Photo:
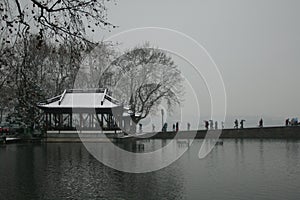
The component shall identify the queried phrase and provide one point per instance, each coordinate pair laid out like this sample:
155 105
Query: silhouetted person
236 124
141 127
173 127
206 124
216 125
287 122
294 122
165 127
223 125
153 128
211 122
177 126
261 123
242 123
188 126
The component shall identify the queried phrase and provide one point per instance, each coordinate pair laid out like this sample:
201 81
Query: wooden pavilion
89 110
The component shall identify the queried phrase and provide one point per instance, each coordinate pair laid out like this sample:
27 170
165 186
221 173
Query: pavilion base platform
81 136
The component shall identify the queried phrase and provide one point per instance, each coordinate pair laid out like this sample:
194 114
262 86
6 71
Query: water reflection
238 169
59 171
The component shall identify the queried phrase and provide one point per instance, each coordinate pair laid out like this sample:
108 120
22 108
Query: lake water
238 169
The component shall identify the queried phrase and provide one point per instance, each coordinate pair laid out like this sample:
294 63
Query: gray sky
255 45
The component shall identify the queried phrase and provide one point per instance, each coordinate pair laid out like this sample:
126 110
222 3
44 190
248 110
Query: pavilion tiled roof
81 98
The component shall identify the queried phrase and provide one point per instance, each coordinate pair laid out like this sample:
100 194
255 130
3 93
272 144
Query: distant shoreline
278 132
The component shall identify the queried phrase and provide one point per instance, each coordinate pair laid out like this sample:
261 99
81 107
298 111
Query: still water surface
238 169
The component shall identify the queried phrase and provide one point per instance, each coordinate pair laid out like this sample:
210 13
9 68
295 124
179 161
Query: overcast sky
255 44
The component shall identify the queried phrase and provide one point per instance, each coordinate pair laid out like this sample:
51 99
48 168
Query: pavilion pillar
47 121
54 120
109 123
80 120
90 120
50 125
60 121
71 120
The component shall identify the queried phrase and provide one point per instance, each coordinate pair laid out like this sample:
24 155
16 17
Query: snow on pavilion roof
88 98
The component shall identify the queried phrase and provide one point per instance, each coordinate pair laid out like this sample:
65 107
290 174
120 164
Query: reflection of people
188 126
236 124
242 123
261 123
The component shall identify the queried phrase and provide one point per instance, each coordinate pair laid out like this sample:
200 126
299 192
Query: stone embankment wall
291 132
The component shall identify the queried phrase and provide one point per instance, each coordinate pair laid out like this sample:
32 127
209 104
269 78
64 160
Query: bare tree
54 20
64 63
60 19
5 61
96 71
29 67
146 77
40 70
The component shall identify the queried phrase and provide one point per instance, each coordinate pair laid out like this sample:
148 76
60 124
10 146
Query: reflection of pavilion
86 110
